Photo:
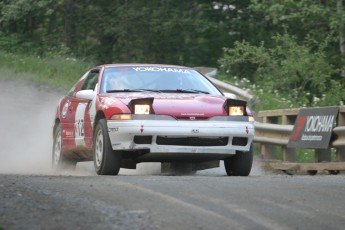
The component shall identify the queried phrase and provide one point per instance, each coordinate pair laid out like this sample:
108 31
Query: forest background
290 53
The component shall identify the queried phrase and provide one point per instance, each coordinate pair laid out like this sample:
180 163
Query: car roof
140 64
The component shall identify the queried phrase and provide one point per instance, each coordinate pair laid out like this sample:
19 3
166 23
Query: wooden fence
273 133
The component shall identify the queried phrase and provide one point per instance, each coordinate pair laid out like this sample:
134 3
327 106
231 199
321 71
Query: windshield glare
153 78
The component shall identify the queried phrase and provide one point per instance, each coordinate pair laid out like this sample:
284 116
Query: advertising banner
313 128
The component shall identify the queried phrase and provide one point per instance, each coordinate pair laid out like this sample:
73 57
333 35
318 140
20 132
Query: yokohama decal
160 69
313 128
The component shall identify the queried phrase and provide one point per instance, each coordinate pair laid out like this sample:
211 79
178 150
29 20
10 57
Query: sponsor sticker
313 128
110 130
160 69
106 102
65 109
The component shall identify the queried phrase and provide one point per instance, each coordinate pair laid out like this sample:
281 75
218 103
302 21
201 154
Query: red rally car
119 115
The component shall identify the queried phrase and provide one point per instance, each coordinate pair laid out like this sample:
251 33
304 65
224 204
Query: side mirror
87 94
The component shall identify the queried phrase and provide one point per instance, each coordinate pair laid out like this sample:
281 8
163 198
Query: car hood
179 105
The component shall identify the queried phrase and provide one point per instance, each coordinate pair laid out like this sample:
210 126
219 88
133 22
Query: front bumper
175 136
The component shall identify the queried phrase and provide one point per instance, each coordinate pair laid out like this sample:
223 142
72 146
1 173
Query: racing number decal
79 128
79 124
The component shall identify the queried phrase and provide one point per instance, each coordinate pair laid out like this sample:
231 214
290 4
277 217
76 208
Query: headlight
141 109
236 110
235 107
141 106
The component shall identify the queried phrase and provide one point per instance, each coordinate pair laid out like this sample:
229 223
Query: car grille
192 141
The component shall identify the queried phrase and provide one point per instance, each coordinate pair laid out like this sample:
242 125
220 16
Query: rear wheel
106 160
59 161
240 164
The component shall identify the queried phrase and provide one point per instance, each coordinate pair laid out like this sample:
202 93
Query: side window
70 93
90 81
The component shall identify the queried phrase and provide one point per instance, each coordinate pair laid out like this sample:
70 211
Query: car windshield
155 79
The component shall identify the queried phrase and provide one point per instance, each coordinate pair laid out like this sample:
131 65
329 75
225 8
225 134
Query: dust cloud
26 119
26 122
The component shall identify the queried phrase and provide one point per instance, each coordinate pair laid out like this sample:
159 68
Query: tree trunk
69 9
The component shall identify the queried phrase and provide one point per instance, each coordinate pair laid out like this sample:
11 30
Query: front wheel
240 164
106 160
59 161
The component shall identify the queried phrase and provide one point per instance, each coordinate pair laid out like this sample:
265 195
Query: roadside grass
56 72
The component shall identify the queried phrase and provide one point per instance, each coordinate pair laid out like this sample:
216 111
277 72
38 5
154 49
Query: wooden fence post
340 152
289 154
269 151
322 155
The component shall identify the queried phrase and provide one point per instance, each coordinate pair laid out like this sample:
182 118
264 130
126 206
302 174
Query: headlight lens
141 109
236 110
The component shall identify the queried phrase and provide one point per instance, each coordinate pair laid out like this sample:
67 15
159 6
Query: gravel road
171 202
32 196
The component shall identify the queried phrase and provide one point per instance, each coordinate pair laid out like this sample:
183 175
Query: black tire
106 160
240 164
59 161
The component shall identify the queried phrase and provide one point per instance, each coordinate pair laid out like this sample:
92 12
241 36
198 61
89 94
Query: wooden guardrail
273 133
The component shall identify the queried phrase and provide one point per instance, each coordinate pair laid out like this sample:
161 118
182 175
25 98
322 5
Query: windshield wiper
132 90
185 91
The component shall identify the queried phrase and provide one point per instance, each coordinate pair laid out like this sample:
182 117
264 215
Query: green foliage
286 48
163 31
293 71
305 155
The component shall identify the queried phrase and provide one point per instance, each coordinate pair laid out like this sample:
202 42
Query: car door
67 116
82 121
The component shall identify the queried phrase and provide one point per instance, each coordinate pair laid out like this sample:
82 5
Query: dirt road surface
32 196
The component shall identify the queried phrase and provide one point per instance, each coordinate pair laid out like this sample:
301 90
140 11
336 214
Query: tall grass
56 72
